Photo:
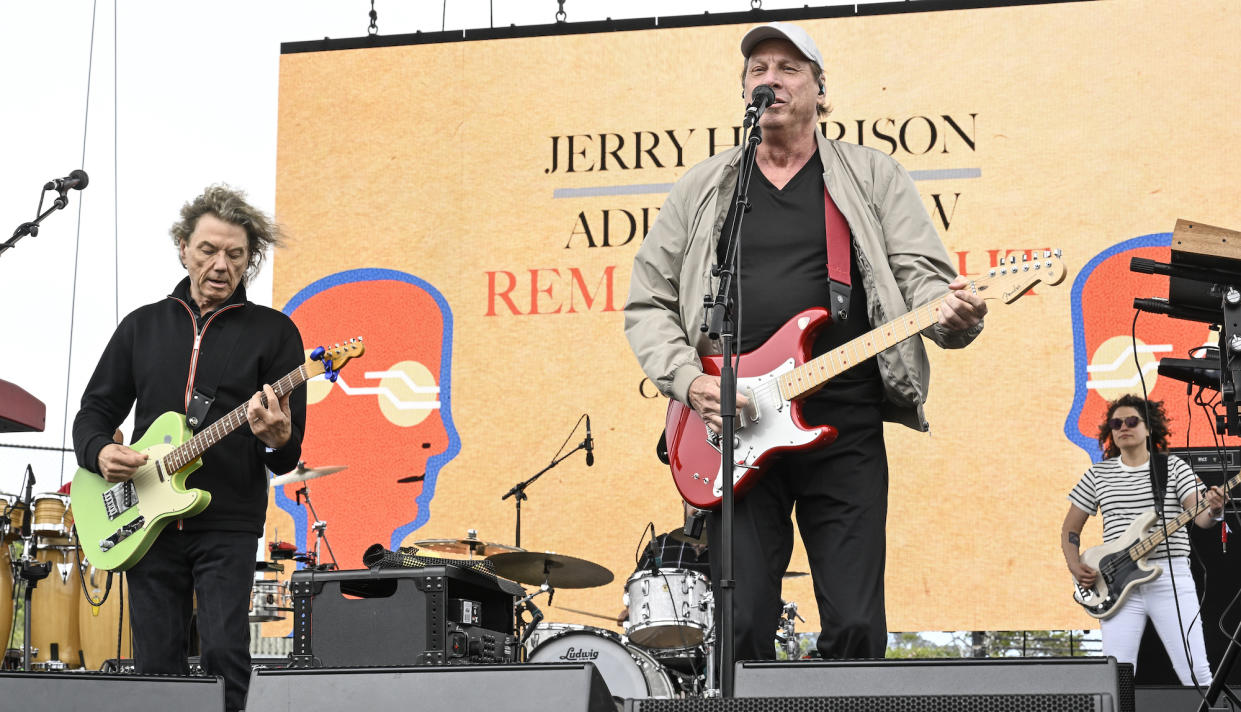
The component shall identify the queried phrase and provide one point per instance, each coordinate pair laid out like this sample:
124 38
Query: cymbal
303 473
796 574
468 546
559 570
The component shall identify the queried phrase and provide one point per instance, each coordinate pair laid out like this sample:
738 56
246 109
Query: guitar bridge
121 534
119 499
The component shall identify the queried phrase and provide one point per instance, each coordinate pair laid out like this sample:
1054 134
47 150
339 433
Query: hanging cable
444 16
560 16
116 212
77 244
373 29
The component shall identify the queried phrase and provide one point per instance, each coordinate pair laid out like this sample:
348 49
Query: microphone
761 98
590 445
76 180
29 498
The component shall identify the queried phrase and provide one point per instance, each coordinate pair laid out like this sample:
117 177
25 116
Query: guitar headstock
329 361
1014 277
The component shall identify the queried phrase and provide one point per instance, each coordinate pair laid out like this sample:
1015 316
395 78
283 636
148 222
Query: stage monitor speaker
907 703
98 692
1029 678
573 687
1161 698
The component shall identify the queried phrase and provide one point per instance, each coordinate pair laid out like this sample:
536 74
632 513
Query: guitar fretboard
191 449
1145 546
814 373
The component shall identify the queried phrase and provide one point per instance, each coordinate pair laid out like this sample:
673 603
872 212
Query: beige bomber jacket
902 260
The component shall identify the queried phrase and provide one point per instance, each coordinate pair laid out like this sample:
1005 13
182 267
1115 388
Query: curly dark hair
229 205
1152 412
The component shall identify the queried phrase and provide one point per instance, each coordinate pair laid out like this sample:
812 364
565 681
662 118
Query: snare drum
270 600
55 604
51 516
627 671
668 608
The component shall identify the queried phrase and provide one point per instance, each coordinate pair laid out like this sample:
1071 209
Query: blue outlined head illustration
387 418
1104 337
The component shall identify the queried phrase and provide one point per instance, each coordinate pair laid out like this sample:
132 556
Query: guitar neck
1145 546
191 449
811 375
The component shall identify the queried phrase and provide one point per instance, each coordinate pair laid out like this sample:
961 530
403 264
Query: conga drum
9 504
54 605
6 598
51 516
97 627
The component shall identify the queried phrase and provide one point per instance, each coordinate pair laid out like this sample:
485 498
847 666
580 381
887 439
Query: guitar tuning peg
1025 257
1012 259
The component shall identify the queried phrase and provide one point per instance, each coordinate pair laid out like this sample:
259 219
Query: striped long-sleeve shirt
1123 493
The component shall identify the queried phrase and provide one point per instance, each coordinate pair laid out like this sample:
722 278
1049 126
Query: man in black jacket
202 351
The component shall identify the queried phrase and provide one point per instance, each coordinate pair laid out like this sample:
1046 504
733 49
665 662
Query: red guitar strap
837 259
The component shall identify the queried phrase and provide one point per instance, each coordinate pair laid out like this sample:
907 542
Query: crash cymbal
468 546
559 570
303 473
796 574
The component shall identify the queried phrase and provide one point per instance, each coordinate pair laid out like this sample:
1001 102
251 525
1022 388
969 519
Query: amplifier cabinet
435 615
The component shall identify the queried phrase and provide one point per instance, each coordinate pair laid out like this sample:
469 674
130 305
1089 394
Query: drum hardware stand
518 491
536 615
788 630
320 528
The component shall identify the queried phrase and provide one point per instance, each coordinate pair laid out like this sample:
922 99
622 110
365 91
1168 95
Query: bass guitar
1122 564
117 522
775 375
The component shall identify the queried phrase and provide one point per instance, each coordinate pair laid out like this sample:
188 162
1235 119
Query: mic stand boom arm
518 491
32 228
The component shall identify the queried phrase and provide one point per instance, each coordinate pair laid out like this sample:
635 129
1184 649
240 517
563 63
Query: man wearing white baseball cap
805 190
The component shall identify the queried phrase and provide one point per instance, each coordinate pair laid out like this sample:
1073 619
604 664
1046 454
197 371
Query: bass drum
97 627
628 672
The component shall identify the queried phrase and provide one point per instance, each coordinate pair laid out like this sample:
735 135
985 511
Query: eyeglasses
1130 422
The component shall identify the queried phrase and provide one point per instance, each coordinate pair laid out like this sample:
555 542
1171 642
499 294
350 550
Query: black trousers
216 566
840 494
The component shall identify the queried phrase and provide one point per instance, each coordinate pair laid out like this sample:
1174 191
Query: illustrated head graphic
1104 366
387 418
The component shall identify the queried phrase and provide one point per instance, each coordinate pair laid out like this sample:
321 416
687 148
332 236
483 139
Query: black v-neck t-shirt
784 271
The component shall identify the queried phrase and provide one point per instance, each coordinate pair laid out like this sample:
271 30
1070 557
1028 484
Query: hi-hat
468 546
558 570
303 473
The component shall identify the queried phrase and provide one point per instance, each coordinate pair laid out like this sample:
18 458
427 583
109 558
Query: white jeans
1122 633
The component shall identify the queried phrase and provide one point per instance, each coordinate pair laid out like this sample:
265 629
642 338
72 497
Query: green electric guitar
117 522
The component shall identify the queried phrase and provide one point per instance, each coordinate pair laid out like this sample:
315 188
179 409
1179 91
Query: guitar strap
837 258
1159 480
224 334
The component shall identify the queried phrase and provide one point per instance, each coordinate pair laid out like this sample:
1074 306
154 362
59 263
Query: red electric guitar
776 374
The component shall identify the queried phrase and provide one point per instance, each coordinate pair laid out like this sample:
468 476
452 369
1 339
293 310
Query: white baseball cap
783 31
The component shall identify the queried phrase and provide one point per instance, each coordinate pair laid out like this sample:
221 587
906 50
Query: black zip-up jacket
150 364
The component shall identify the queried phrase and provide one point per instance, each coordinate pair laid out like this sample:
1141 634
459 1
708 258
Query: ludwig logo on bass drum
572 654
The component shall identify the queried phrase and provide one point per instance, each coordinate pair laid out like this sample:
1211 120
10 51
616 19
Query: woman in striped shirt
1120 487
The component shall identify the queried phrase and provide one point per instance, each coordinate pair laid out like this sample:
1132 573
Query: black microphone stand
32 228
28 569
720 323
518 491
